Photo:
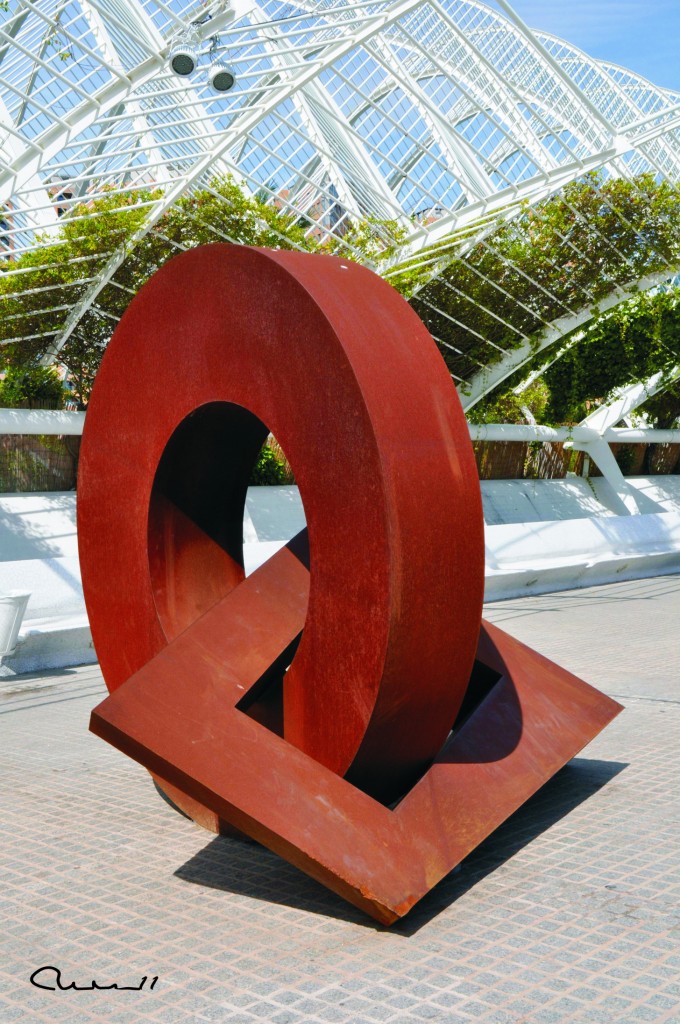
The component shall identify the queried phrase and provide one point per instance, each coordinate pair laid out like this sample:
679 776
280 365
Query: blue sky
643 35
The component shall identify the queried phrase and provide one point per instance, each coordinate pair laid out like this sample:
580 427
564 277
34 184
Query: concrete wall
536 501
541 535
534 558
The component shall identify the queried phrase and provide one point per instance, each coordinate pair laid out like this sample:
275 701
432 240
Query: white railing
595 443
577 435
581 437
41 421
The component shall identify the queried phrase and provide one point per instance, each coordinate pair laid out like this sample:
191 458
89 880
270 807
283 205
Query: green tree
40 288
32 387
595 235
630 344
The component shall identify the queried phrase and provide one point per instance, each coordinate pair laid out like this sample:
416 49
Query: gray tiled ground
569 913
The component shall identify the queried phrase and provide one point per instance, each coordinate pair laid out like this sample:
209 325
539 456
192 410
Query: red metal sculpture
341 704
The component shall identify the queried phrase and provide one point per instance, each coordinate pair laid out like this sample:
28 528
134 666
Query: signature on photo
52 975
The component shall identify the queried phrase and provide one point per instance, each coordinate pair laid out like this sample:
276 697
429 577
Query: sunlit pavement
568 913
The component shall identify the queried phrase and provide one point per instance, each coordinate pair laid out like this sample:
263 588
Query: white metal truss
622 402
602 422
443 116
569 326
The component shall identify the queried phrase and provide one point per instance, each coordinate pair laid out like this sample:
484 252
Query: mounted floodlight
184 54
220 76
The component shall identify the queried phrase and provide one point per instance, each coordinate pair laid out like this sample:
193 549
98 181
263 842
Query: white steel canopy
442 117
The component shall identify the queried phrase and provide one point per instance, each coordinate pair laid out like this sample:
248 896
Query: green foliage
633 342
83 247
269 469
505 406
574 249
378 241
629 344
663 409
595 235
224 211
40 288
36 386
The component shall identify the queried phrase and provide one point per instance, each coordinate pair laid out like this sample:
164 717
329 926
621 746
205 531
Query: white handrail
59 421
537 432
41 421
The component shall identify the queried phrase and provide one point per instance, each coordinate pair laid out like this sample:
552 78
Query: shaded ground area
568 913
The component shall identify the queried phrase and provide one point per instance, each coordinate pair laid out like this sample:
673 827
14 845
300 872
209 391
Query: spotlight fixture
188 49
220 76
184 54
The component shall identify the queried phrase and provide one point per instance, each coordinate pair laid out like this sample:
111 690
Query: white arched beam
34 155
489 379
623 401
461 157
580 113
486 82
230 139
344 159
106 45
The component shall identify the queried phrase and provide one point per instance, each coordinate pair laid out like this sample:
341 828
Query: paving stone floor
568 913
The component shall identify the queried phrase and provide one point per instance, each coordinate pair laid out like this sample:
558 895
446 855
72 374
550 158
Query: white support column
602 420
626 497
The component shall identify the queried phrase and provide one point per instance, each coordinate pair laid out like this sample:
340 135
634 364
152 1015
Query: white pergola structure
446 117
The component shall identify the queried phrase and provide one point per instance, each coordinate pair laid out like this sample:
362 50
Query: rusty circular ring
337 365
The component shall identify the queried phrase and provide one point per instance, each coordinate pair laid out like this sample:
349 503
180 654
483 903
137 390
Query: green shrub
268 470
32 386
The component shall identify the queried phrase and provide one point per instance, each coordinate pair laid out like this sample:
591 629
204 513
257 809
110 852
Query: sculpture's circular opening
196 527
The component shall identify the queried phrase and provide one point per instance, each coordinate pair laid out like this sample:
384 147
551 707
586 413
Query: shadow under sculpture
345 704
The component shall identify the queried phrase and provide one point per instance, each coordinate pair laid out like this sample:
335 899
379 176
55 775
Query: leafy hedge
270 469
31 387
632 343
565 253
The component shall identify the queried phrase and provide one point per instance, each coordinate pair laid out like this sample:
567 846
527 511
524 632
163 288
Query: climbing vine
630 344
490 294
572 250
40 288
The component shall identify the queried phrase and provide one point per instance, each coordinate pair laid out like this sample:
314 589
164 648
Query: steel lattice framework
442 116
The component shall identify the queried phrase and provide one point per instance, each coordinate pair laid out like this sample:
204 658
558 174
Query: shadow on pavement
247 869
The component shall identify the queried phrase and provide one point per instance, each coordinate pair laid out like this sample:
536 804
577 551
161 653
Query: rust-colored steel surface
341 705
